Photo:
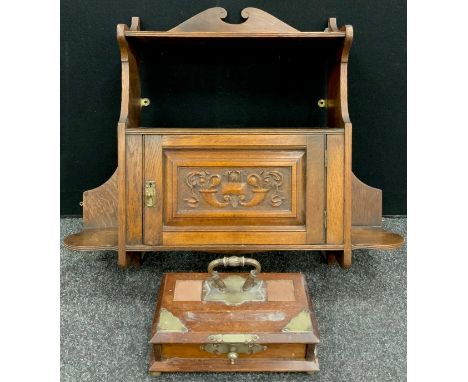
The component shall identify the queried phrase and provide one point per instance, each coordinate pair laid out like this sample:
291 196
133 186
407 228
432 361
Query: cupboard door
234 197
208 194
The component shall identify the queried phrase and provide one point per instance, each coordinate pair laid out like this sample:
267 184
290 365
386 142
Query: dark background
90 84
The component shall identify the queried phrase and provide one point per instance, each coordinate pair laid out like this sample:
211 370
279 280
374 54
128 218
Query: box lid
191 309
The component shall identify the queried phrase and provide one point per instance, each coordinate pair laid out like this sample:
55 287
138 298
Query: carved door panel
234 187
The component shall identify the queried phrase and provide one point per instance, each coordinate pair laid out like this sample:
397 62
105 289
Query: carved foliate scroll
235 188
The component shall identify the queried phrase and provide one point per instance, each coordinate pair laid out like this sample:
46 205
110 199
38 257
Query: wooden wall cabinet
233 189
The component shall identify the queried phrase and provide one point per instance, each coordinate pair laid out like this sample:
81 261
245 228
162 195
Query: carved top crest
256 21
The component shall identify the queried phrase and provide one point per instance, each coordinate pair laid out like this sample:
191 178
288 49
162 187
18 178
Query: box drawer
274 351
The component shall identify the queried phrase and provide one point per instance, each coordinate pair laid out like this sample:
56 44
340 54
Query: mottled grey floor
106 313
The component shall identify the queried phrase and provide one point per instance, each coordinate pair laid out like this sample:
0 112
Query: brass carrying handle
234 261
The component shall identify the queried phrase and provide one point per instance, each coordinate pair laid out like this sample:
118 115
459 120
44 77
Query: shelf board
185 35
233 131
103 239
375 238
106 239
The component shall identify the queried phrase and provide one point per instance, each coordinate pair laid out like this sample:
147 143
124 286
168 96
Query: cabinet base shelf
242 365
105 239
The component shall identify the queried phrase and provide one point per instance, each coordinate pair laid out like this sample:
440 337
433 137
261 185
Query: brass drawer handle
232 355
234 261
233 350
150 193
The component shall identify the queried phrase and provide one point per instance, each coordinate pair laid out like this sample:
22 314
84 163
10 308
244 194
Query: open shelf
184 35
375 238
235 83
234 131
106 239
101 239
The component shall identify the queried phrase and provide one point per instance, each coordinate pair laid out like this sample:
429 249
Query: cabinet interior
235 82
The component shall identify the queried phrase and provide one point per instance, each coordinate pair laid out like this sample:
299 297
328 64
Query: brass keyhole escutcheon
150 193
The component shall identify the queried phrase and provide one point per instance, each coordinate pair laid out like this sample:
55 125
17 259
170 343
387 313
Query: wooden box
234 322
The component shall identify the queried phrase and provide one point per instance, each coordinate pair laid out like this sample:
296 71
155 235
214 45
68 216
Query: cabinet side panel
134 172
367 204
100 205
315 198
152 222
335 189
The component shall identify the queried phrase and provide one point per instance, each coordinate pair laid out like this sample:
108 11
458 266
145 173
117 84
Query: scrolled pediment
212 20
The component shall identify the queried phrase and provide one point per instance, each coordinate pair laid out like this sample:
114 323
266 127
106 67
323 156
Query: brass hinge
233 338
325 219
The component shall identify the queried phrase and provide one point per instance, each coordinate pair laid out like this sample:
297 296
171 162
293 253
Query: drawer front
234 187
274 351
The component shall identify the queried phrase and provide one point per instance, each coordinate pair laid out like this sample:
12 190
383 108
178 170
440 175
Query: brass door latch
150 193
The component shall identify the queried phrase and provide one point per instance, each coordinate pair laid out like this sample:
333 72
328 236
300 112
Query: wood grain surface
153 171
106 239
285 351
335 189
100 205
134 187
367 204
315 189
